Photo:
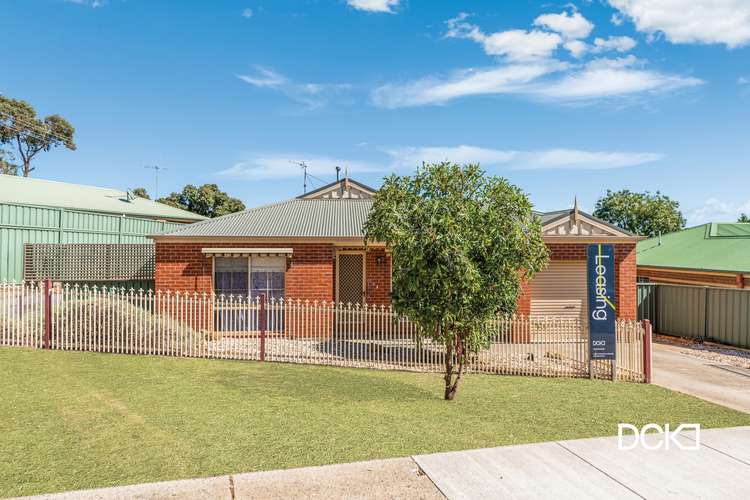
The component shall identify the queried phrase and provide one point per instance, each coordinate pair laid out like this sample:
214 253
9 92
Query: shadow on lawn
382 351
315 383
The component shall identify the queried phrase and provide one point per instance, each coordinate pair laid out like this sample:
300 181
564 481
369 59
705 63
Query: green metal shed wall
20 224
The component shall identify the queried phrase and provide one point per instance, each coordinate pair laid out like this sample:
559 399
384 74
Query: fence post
647 350
47 314
262 326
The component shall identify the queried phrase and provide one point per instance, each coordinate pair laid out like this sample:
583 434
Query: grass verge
81 420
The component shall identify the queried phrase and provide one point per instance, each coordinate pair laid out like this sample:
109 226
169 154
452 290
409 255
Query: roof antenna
338 173
303 165
575 208
156 169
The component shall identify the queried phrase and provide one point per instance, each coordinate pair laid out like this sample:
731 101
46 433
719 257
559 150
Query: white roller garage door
560 290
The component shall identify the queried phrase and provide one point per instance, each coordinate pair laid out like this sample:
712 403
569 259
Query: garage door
560 290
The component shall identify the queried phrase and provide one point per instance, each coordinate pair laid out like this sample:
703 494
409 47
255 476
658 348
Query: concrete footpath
580 469
596 468
725 385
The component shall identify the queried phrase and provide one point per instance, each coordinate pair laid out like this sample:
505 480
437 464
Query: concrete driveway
721 384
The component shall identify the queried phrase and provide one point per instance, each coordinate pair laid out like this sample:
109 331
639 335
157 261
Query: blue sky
564 99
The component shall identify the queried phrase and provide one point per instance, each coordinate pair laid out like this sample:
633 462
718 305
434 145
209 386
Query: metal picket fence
115 320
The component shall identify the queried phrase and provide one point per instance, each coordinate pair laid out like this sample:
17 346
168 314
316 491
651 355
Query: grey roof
301 218
305 218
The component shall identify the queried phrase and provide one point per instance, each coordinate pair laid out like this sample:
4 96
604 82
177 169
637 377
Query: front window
230 276
244 277
266 276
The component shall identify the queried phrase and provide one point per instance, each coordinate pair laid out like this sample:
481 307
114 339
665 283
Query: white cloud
515 45
571 26
606 78
743 80
697 21
386 6
90 3
312 95
577 48
618 43
616 19
283 166
439 90
714 210
597 79
247 13
521 160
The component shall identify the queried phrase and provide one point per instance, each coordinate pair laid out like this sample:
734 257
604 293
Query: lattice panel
350 278
89 262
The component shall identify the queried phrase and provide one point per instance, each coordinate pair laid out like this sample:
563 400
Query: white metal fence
207 326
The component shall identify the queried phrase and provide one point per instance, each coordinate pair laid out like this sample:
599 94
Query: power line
15 128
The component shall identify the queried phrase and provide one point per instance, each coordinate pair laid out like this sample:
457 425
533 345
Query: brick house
311 248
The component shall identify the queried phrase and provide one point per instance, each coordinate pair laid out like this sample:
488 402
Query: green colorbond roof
709 247
42 192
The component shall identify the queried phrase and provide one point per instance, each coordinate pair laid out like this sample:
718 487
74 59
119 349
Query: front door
350 278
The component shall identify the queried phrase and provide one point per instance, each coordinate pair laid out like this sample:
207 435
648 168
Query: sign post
602 313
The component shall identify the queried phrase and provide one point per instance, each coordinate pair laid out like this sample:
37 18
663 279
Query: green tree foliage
7 166
645 213
461 243
206 200
743 217
141 192
28 135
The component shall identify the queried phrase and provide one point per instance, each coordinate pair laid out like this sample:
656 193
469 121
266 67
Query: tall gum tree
461 245
28 135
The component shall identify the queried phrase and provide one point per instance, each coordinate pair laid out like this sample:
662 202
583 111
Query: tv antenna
156 169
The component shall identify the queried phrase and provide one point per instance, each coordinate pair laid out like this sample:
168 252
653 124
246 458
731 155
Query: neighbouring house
43 223
311 248
715 254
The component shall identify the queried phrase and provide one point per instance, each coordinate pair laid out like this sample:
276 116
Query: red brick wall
309 275
378 277
625 269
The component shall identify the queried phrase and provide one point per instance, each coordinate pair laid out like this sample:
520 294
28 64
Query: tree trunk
26 167
448 371
451 384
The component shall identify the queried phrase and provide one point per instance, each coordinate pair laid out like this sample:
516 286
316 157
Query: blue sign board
602 313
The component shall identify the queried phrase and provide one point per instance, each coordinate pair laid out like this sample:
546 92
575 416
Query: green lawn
82 420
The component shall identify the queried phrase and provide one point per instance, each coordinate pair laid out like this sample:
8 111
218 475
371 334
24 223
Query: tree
645 214
29 135
140 192
7 166
206 200
461 245
743 217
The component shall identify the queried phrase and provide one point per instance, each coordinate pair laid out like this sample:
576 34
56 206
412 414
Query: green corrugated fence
21 224
704 313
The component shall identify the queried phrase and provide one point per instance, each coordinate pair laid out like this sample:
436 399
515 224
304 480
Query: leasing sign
602 313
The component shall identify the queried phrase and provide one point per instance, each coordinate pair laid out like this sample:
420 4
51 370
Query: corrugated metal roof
46 193
296 218
300 218
709 247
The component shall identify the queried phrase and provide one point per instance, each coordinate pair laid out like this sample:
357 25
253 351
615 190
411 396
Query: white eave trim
244 252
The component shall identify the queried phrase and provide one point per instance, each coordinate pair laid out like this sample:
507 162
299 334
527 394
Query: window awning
246 252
